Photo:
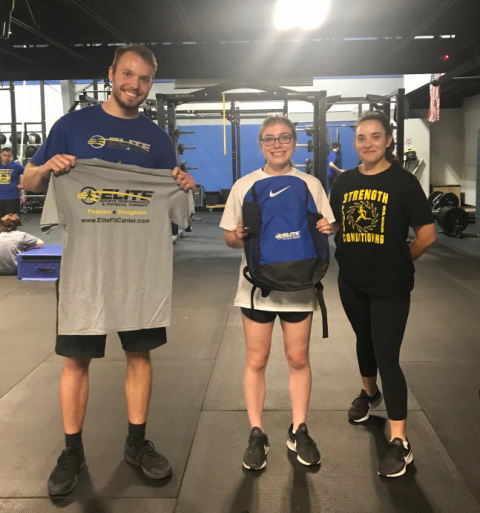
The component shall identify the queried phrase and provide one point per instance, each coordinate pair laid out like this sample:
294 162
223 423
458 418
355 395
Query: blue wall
215 169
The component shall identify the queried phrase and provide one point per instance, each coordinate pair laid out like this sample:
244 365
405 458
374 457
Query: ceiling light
303 14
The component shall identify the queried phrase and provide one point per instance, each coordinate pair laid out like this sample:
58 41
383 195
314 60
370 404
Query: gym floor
197 413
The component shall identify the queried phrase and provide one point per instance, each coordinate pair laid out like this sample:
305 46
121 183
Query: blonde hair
272 119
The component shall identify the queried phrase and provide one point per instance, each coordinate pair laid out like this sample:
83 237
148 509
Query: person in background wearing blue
13 242
334 165
113 131
10 183
375 205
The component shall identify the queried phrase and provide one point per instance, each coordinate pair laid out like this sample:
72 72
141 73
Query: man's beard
127 106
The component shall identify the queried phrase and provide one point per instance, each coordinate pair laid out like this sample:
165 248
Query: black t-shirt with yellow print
374 213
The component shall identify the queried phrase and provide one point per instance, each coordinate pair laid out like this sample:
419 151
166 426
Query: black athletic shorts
263 316
93 346
9 206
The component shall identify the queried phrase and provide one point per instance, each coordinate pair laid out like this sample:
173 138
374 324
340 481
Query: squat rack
13 113
167 103
167 117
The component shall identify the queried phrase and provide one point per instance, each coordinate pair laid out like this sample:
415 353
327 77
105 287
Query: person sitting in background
13 242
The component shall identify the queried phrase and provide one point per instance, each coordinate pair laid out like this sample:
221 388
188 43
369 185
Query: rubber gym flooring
197 413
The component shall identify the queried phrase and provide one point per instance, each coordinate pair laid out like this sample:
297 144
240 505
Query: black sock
136 432
74 441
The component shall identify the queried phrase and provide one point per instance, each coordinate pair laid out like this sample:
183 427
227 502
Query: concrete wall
447 149
417 132
471 110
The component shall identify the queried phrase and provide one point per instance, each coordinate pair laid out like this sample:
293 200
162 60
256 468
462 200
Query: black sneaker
255 456
361 406
63 479
395 462
301 443
143 454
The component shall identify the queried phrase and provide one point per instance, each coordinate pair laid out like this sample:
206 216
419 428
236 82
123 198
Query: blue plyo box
42 264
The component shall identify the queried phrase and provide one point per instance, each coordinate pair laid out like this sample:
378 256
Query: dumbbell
307 129
181 148
308 166
30 151
179 132
453 220
309 146
184 167
439 199
19 138
34 138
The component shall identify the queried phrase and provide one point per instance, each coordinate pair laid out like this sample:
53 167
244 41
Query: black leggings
379 324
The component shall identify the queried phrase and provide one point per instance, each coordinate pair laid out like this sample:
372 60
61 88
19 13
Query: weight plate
453 219
448 199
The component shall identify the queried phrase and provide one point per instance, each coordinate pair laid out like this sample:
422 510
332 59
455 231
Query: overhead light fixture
302 14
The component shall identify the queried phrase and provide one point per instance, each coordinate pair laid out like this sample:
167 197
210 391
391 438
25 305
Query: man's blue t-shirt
336 158
9 179
92 133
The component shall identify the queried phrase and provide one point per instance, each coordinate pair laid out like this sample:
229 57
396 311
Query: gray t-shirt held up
116 271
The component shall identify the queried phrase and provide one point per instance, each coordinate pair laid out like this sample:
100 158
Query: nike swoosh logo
273 194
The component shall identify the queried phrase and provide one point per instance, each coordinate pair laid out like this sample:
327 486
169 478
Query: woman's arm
424 238
234 238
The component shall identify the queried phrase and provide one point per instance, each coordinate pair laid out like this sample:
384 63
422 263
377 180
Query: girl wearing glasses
375 204
277 140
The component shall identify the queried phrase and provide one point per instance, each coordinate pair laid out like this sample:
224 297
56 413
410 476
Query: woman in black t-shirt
375 204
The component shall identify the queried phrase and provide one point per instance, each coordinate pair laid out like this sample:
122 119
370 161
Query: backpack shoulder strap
323 308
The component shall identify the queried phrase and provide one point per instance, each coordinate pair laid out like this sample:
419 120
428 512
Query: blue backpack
283 248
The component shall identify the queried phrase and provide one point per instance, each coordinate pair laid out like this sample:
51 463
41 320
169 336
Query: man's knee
77 365
138 358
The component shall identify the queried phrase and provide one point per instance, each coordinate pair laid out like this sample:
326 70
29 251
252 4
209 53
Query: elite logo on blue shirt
98 142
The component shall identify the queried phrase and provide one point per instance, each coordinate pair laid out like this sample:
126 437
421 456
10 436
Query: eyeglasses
270 140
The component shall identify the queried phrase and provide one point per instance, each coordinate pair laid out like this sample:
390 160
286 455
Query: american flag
434 108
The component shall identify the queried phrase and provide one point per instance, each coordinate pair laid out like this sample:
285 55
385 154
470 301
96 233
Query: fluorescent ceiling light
303 14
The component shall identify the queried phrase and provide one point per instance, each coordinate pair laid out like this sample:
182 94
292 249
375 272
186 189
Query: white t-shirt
276 301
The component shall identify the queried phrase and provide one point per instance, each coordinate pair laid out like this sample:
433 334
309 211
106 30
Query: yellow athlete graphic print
363 213
362 216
